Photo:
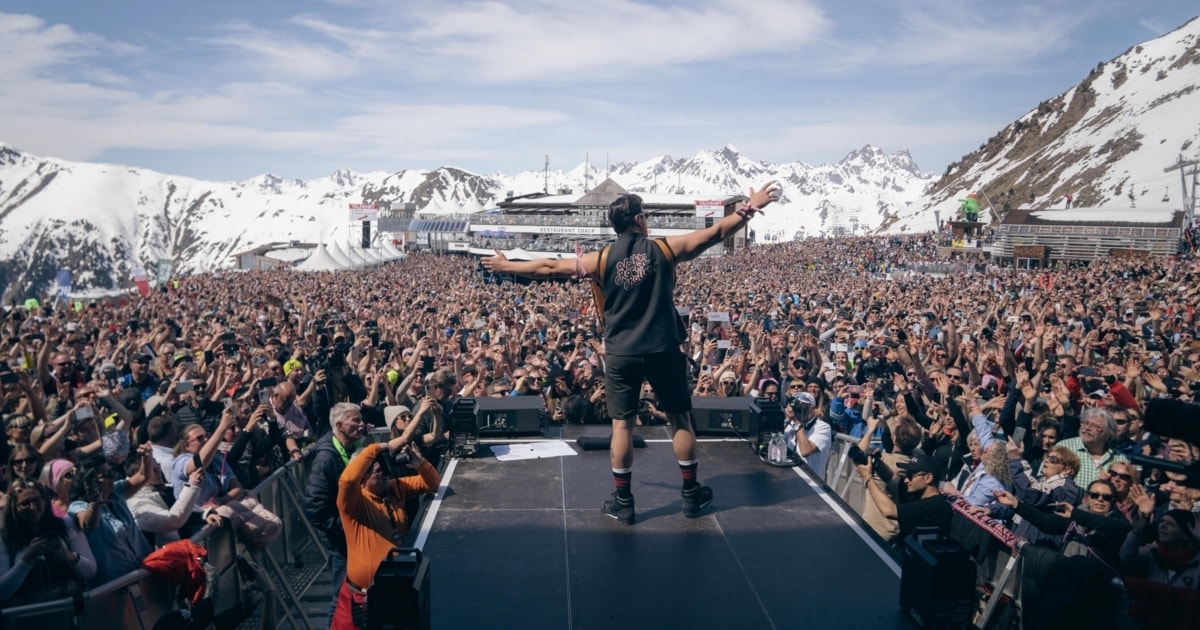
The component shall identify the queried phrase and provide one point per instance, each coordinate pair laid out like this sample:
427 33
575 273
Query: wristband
747 211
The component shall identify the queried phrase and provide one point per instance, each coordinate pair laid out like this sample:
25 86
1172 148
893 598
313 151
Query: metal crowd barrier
995 548
292 562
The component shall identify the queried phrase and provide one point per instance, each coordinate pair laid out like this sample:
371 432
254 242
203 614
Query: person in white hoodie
153 516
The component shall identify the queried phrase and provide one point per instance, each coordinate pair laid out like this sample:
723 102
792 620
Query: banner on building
364 212
710 208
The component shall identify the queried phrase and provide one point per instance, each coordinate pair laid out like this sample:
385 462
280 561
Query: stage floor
522 544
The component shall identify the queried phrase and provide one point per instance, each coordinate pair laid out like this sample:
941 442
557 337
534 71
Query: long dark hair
25 450
18 535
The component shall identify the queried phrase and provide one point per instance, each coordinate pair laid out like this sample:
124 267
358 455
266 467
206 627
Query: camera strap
387 504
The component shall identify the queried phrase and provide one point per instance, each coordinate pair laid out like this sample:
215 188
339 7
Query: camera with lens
872 458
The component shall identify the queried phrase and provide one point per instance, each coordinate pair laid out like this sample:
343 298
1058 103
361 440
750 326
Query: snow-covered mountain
1105 141
99 219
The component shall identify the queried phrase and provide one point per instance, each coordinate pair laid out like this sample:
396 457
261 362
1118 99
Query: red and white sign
364 212
710 208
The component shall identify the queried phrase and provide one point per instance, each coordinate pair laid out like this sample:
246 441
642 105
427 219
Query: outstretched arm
690 245
543 268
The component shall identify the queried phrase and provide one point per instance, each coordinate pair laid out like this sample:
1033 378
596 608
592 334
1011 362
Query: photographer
371 504
99 508
807 435
928 507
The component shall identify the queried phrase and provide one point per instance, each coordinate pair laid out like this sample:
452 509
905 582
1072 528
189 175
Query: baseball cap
803 398
391 412
920 462
728 376
393 377
290 365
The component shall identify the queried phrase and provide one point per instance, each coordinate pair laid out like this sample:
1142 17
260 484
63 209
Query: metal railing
1000 566
292 561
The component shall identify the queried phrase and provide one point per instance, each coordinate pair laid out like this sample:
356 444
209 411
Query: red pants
351 606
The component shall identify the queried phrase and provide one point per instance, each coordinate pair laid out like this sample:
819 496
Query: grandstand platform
519 544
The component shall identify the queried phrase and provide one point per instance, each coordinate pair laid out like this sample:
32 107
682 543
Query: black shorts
667 373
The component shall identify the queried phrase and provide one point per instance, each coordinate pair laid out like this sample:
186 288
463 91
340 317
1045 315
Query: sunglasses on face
1100 496
1052 459
21 425
956 377
24 461
1116 475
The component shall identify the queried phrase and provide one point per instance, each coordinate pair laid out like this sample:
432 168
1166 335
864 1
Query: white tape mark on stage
431 513
816 486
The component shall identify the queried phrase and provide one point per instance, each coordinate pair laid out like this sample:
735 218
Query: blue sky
229 90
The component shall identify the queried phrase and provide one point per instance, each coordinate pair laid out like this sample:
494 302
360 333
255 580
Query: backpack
598 281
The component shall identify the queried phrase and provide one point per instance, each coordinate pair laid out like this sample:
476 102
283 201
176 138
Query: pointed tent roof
338 254
433 207
320 260
390 252
602 195
472 206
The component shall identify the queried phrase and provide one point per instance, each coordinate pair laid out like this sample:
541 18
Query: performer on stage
636 281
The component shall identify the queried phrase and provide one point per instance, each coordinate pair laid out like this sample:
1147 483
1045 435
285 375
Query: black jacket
321 493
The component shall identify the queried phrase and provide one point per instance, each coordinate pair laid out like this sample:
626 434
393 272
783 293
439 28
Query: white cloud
280 57
987 40
28 46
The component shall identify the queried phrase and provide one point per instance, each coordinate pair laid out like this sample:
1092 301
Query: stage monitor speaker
937 580
366 235
399 596
464 428
722 416
510 416
766 419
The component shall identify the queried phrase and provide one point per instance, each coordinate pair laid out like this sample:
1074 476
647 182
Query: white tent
320 260
432 208
472 206
338 254
390 252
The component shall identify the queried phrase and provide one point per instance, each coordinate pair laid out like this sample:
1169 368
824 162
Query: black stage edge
523 545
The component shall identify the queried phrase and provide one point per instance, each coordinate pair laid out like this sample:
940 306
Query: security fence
275 578
996 549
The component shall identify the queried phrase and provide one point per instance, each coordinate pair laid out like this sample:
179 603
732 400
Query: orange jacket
365 517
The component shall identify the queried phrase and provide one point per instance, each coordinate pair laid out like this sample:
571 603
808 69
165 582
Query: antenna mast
546 175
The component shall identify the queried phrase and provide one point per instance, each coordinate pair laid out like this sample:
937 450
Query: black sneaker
619 509
695 500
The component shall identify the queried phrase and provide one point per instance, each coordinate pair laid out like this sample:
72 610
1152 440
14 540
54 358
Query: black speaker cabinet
510 416
722 416
399 597
937 583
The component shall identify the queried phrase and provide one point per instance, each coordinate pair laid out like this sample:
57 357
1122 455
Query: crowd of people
130 423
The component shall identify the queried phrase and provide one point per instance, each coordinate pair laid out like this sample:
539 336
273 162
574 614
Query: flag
164 272
140 279
63 281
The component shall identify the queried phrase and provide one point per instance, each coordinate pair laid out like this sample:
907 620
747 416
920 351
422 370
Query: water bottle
777 450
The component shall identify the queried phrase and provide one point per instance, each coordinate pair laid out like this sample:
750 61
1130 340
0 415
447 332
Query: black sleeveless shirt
639 303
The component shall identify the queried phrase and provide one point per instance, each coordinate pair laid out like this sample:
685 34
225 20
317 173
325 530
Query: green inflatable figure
970 208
